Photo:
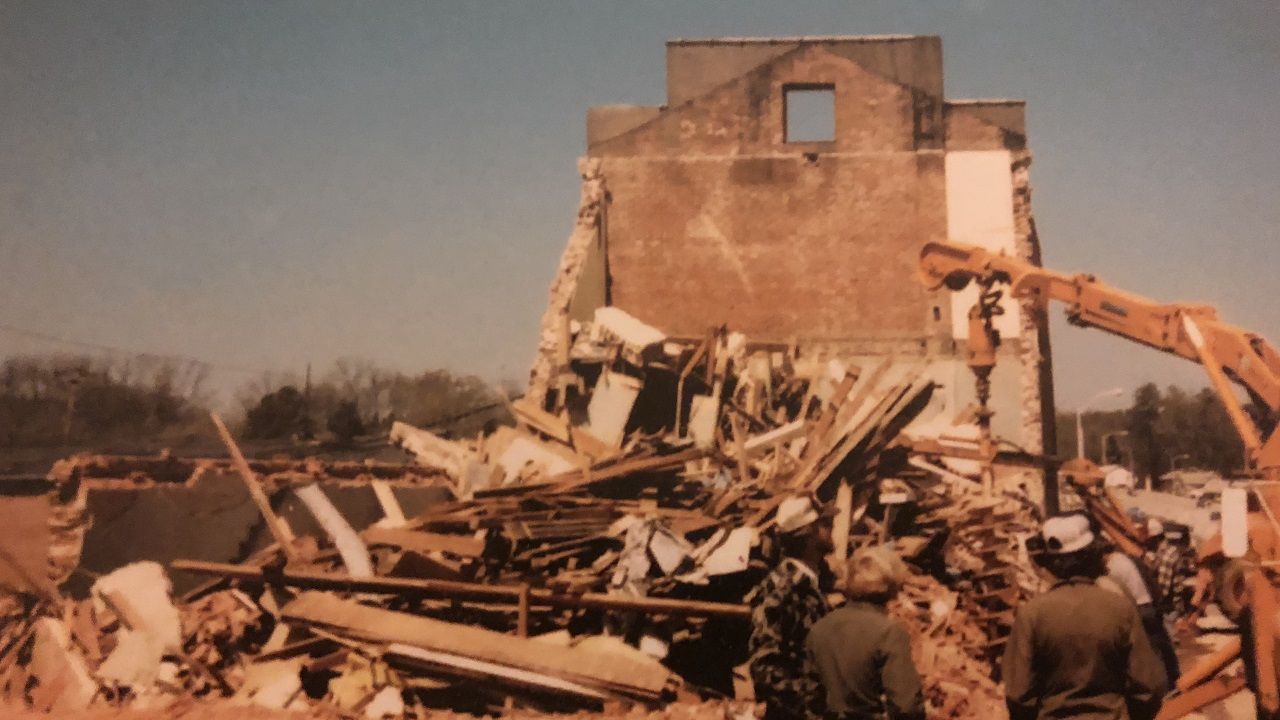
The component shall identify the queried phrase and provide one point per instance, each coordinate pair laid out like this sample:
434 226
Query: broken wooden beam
454 589
282 536
425 542
607 672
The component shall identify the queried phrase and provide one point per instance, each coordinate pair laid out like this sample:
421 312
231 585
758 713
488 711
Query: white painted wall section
980 212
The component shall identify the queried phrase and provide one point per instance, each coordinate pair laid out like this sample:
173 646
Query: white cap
1154 527
796 512
1067 534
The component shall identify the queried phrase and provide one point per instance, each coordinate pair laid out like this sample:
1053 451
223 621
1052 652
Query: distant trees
49 400
345 422
279 414
357 396
1160 431
137 404
1148 452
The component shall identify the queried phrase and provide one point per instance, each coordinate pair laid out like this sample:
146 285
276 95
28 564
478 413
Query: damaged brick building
728 205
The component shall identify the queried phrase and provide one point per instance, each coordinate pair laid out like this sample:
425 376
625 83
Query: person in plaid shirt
1171 563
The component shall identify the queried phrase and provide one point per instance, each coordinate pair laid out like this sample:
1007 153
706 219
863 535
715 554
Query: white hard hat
1067 534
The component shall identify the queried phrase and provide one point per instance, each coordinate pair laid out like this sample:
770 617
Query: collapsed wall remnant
717 213
99 512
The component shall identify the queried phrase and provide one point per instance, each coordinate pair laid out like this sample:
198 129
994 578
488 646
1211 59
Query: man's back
1079 651
862 654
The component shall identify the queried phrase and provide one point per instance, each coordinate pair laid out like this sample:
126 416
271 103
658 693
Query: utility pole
73 378
308 432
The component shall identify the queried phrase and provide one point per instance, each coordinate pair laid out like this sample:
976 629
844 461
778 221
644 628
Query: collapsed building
735 320
711 210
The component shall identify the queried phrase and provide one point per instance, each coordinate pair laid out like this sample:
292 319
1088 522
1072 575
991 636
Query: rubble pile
596 554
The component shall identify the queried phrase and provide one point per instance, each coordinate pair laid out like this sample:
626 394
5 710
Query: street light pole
1113 392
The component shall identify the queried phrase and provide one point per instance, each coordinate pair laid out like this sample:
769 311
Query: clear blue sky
260 184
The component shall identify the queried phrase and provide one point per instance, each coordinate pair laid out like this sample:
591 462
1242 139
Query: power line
46 337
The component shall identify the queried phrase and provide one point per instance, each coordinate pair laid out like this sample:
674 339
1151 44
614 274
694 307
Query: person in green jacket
863 657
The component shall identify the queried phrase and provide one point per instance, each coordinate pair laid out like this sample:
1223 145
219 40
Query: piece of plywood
610 406
386 626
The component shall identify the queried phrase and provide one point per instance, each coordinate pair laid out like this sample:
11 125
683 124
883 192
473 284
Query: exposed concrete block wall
714 218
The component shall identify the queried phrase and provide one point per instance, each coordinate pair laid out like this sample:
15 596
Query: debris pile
597 553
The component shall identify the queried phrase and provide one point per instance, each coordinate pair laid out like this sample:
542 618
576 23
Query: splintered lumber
463 590
450 664
552 426
425 542
579 479
605 672
282 536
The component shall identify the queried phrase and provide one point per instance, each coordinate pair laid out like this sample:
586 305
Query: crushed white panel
429 449
393 515
355 556
56 663
667 549
523 452
733 554
1235 522
610 407
617 324
704 412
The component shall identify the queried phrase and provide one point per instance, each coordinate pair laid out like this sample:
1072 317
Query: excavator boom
1227 354
1191 331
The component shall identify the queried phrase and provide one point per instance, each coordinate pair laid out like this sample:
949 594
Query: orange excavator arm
1227 353
1191 331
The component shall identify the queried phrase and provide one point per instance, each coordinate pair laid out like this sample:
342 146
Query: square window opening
809 113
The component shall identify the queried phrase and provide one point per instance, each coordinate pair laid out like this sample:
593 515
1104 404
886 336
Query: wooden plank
827 415
463 591
1181 705
840 526
758 444
425 542
872 424
275 525
391 509
576 665
552 426
1211 664
739 451
460 666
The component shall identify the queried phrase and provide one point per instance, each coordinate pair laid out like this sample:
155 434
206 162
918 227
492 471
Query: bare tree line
60 399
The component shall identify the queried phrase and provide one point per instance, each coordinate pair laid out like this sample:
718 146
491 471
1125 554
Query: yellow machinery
1227 353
